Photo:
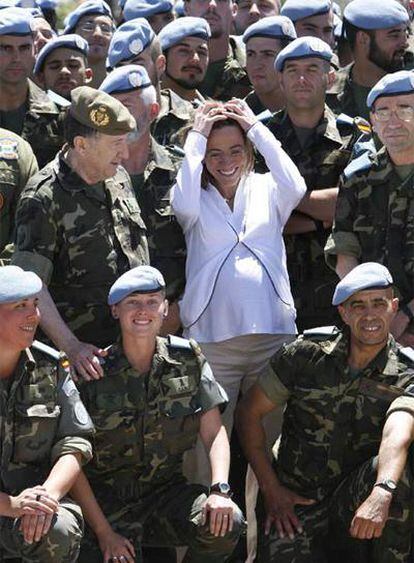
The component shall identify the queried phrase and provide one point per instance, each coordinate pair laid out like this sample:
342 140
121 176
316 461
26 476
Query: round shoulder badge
81 413
99 116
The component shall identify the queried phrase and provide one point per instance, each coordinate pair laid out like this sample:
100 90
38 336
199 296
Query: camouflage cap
369 275
100 111
16 284
142 279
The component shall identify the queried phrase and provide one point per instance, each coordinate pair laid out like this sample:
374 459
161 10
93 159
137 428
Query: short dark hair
155 49
350 32
73 128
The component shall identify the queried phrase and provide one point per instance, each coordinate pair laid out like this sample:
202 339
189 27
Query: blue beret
16 284
175 31
179 8
401 82
145 8
142 279
46 4
70 41
84 9
365 276
15 21
279 27
9 4
371 14
302 48
129 40
300 9
125 78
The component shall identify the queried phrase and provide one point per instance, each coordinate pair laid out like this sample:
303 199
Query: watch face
224 488
390 484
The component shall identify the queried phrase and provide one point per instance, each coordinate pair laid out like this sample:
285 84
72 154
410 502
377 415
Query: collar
325 128
158 158
39 102
172 103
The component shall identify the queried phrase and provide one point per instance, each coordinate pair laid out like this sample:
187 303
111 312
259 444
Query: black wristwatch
387 484
222 489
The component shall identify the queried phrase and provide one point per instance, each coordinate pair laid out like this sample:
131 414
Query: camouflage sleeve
343 240
404 402
278 379
210 393
35 238
28 164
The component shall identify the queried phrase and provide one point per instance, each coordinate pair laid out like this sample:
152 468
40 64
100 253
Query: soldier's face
64 70
102 154
97 30
158 21
305 81
140 107
16 58
219 14
369 315
251 11
396 134
321 26
260 57
19 321
187 62
43 33
141 314
154 68
387 48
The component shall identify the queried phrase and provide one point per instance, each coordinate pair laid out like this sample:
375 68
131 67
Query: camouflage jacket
145 422
175 113
334 419
79 239
17 165
41 419
226 78
374 219
43 125
166 241
254 103
321 163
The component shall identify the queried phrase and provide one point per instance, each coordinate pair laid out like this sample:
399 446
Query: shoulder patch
9 149
178 342
321 332
407 353
363 125
47 350
359 164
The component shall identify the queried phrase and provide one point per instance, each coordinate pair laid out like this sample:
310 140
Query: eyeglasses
88 27
404 113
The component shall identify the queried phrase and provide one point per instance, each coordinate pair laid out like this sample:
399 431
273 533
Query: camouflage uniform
166 241
374 219
17 165
342 98
41 419
331 434
79 239
321 163
42 126
144 424
254 103
175 113
226 78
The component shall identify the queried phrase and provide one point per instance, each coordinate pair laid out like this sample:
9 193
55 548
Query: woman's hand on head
206 115
239 111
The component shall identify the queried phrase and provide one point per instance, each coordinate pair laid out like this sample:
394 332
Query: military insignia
363 125
136 46
135 79
81 413
69 388
8 149
99 116
79 42
288 28
317 45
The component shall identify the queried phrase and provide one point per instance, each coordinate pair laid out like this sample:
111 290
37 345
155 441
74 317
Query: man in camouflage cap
374 217
157 396
24 108
45 432
78 226
340 488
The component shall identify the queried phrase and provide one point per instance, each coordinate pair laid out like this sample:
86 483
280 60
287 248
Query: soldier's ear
88 75
114 312
160 63
165 313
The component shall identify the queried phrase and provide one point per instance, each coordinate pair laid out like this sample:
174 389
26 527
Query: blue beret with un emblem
369 275
129 40
142 279
145 8
17 284
177 30
9 4
70 41
85 9
372 14
279 27
299 9
125 79
302 48
15 21
397 83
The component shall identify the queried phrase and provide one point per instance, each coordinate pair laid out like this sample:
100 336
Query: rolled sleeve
403 403
340 242
273 387
33 262
72 445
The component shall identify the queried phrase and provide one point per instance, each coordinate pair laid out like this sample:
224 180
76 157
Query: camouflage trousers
60 545
165 517
326 538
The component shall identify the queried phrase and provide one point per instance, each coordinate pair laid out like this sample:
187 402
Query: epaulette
48 350
264 116
57 99
407 352
359 164
178 343
361 124
176 150
321 332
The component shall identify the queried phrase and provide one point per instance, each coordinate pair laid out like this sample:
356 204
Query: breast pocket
180 417
35 430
